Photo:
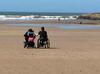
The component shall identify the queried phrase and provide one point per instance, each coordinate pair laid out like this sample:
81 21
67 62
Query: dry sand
71 52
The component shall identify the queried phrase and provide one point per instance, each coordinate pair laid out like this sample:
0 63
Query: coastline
49 18
91 22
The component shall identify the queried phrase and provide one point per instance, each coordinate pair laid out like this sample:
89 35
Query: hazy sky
50 5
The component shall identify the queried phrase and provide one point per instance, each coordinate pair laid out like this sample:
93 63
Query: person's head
42 28
30 30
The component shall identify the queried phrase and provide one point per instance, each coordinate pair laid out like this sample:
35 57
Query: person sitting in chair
29 37
43 37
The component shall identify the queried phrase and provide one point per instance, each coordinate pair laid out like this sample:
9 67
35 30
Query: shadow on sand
53 48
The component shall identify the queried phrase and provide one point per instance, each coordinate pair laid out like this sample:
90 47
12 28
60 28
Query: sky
83 6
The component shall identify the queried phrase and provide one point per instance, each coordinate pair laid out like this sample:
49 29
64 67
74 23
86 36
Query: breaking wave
36 17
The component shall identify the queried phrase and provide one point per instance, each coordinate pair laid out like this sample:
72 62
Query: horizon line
45 12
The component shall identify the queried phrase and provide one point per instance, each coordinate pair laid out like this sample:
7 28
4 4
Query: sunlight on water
62 26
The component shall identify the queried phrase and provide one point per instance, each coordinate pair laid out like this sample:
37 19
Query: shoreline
89 22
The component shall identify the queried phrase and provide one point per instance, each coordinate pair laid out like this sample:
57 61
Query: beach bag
30 39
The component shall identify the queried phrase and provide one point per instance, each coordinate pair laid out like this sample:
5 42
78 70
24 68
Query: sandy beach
71 52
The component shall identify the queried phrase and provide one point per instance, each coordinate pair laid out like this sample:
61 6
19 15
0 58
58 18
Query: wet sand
71 52
77 21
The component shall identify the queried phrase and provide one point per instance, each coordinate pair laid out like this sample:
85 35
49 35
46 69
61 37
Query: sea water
37 15
4 16
62 26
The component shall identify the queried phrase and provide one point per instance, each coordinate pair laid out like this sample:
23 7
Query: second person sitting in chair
43 37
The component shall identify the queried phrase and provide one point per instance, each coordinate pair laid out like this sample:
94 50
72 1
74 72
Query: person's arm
25 34
34 34
39 32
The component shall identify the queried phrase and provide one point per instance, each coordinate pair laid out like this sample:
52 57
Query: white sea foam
36 17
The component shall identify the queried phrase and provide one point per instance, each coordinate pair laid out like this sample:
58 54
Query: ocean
40 13
4 16
37 16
